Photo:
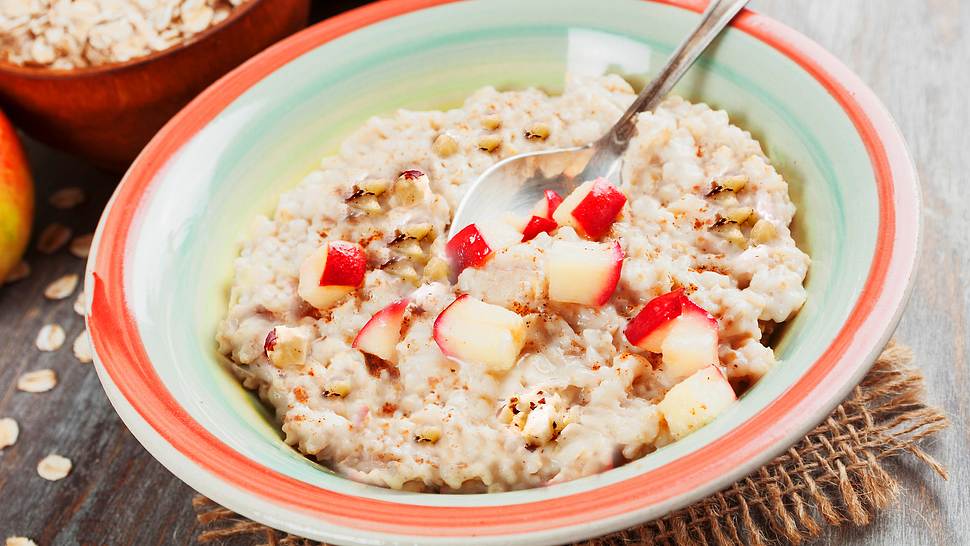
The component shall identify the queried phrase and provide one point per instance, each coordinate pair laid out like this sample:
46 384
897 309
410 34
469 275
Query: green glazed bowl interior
204 199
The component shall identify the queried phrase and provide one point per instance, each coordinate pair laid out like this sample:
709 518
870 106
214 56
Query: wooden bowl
108 113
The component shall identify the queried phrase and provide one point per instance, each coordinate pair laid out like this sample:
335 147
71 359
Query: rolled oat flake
80 303
61 288
81 245
19 541
9 431
50 338
54 467
19 272
82 348
67 198
38 381
53 238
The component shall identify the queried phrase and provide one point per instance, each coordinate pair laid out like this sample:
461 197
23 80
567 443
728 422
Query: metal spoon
516 183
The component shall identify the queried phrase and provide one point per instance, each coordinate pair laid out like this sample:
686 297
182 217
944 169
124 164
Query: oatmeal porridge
526 351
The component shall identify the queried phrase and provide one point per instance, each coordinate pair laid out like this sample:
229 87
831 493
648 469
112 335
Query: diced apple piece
382 332
696 401
471 330
474 245
331 272
547 205
690 344
591 208
537 225
286 346
678 328
583 272
648 329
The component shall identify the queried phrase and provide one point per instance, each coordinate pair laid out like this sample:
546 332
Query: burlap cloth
835 475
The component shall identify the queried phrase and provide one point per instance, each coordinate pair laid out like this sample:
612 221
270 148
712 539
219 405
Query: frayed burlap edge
835 475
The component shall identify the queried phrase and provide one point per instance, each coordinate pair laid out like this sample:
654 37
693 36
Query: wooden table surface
914 53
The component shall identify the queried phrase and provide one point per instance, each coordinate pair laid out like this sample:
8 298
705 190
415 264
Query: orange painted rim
119 347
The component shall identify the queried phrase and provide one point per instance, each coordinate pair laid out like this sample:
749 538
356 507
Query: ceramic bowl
162 261
107 114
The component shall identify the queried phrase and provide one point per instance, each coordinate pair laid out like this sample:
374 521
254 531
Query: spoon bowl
515 184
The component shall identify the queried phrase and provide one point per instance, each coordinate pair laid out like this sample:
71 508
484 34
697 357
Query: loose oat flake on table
53 238
67 198
64 35
54 467
19 541
62 287
82 348
9 431
19 272
50 338
80 303
81 245
37 381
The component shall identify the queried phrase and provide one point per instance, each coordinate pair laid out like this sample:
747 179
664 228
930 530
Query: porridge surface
580 399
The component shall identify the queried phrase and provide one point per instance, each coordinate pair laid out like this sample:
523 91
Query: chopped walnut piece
538 131
730 231
428 435
445 145
734 183
763 231
491 122
489 143
287 347
337 389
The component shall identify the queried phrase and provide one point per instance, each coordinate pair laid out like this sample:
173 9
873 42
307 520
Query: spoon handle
717 15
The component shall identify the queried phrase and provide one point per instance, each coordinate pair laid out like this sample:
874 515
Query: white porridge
630 317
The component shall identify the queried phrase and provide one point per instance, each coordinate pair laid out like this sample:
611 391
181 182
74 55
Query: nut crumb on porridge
524 351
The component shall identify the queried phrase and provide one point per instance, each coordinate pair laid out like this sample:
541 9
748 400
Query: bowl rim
174 438
41 73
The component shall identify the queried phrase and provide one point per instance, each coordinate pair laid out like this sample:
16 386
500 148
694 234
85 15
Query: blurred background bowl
107 114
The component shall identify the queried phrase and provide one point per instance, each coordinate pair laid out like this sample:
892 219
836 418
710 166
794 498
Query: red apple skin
547 205
412 174
393 313
270 343
537 225
599 209
437 327
658 313
614 279
346 265
467 249
16 199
